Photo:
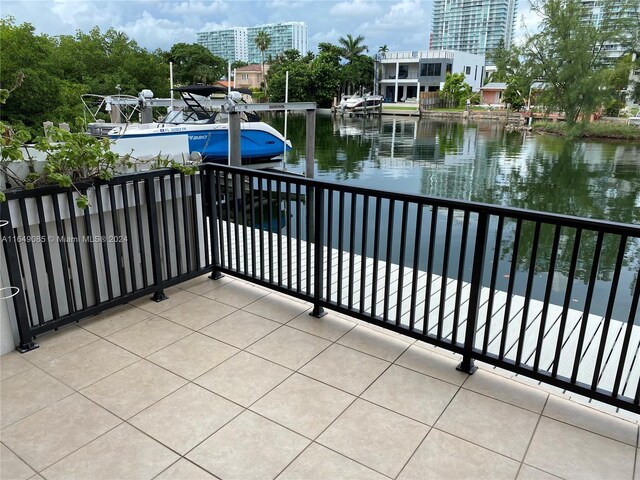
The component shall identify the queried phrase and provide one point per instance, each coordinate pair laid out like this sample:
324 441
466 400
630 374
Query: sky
400 24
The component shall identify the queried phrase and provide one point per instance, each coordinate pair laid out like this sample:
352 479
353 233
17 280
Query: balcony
233 378
226 379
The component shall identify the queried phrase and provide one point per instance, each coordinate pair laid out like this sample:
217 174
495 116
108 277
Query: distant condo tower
238 43
472 26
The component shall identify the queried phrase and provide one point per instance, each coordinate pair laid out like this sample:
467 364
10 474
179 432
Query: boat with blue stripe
195 132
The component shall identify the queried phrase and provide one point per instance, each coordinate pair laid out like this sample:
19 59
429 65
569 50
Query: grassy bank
591 130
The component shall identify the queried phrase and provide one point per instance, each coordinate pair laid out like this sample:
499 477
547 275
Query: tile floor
226 380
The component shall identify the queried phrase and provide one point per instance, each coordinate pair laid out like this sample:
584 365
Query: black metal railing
142 233
548 296
551 297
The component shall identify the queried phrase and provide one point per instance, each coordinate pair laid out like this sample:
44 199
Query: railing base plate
159 297
470 369
216 276
27 347
319 313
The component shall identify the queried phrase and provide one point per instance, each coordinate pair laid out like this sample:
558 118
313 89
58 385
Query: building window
431 70
403 71
449 68
467 70
244 76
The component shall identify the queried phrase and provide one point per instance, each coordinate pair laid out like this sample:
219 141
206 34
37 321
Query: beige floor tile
289 347
374 343
574 453
489 423
90 363
432 364
237 294
331 326
304 405
149 336
134 388
568 411
507 390
47 436
193 355
444 456
240 329
175 296
11 364
345 368
250 447
413 394
320 463
244 378
55 344
198 313
184 470
28 392
204 284
11 467
186 417
529 473
115 319
123 453
375 437
277 308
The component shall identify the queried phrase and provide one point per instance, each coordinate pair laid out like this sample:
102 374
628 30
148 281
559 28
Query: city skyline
401 25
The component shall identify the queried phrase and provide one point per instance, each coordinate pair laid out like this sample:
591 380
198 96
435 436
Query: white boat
196 131
355 103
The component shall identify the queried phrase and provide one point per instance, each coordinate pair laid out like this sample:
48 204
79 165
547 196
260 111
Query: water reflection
483 162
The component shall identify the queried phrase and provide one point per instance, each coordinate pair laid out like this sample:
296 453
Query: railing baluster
129 239
154 234
31 258
474 295
401 261
187 225
340 245
288 231
363 256
527 295
547 296
607 316
318 228
176 227
254 228
64 255
141 241
512 279
433 227
445 273
215 232
352 247
388 261
627 338
376 257
416 266
492 287
329 243
461 261
587 306
165 228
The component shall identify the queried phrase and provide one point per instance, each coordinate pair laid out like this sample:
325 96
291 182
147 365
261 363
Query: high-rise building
238 43
284 36
230 43
473 26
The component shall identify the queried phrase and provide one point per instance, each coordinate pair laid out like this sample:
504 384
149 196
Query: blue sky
401 24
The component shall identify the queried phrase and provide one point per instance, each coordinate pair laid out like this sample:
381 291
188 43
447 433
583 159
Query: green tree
352 47
506 61
263 42
383 49
568 53
195 64
238 64
359 73
455 90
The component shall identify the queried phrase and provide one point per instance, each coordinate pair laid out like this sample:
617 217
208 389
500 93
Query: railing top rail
475 207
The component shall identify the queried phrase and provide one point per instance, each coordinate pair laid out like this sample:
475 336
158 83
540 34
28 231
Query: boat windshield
181 116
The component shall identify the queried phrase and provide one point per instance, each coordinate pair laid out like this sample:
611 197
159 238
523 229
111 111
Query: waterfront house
403 75
250 76
492 93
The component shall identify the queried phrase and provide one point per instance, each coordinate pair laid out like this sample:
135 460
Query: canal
483 162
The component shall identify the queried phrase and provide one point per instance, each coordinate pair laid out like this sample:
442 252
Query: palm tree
352 47
263 41
382 50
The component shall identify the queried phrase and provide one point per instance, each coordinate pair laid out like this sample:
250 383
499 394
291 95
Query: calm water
485 163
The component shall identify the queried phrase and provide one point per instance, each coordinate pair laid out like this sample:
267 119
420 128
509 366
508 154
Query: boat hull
258 142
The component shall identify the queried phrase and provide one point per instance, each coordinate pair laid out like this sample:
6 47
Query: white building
238 43
230 43
403 75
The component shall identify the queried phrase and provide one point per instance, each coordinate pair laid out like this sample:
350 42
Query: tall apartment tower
595 12
284 36
230 43
473 26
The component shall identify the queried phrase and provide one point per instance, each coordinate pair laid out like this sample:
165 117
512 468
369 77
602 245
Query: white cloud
356 9
158 32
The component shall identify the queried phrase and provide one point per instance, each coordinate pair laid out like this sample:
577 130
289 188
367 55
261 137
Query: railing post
318 231
15 281
213 221
154 233
467 364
